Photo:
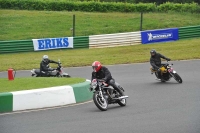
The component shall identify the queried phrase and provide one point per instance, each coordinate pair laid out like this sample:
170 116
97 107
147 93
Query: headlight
94 85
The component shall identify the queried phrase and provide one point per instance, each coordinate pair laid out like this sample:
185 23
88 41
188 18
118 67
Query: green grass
178 50
24 25
19 84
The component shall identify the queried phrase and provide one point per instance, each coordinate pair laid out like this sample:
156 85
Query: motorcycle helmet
153 52
96 66
45 58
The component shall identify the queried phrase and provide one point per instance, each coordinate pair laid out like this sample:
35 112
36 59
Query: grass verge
19 84
23 25
178 50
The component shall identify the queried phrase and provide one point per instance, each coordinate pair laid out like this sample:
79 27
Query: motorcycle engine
105 94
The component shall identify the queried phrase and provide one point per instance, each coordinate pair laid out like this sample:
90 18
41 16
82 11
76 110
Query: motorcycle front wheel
177 77
101 103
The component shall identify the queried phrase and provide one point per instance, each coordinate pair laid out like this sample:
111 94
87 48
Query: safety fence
189 32
81 42
16 46
100 41
27 45
114 40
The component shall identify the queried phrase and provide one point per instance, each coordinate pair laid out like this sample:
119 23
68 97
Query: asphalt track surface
152 106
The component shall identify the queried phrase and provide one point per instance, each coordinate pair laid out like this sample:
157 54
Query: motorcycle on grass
58 72
167 72
105 94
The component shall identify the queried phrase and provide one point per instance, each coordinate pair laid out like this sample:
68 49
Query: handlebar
101 80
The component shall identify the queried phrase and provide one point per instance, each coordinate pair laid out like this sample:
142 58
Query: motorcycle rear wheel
102 104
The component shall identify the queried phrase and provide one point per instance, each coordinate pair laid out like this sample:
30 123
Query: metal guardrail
27 45
16 46
189 32
96 41
81 42
114 40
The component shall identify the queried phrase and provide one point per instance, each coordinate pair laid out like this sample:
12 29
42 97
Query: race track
152 106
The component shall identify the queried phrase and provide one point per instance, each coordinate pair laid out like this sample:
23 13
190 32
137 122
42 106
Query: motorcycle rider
44 66
155 61
102 72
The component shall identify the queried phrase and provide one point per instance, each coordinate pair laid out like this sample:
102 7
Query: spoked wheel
177 77
100 102
122 102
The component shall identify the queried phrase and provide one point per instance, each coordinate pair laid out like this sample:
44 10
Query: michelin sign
159 35
52 43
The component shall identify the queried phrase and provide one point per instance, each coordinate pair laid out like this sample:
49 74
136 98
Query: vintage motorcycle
105 94
167 72
58 72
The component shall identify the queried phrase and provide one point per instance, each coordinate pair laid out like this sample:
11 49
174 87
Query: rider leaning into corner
155 61
102 72
44 65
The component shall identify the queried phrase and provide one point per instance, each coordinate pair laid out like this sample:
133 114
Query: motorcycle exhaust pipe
122 97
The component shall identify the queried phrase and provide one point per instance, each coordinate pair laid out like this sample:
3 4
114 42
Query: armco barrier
97 41
81 42
46 97
16 46
189 32
27 45
114 40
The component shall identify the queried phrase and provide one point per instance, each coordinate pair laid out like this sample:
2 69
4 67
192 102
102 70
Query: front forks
101 95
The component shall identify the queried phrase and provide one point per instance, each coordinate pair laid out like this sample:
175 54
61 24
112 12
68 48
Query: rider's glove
158 70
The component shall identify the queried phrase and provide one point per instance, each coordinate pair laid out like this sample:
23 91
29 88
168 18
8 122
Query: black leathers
44 66
155 61
105 74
